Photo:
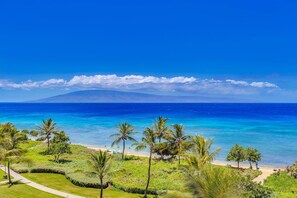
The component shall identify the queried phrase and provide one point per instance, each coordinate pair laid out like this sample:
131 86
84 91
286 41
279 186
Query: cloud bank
146 83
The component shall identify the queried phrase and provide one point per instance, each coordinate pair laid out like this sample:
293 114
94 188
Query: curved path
22 179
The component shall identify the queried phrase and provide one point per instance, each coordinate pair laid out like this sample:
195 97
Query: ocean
271 128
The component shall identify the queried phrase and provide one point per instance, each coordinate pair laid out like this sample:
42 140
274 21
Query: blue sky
228 47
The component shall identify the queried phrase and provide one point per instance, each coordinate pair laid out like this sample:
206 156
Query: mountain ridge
110 96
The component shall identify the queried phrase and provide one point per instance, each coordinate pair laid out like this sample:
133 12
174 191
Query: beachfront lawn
59 182
22 191
283 185
129 175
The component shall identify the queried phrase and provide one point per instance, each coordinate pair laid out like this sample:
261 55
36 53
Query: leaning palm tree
100 163
160 127
47 128
148 141
201 148
178 137
124 134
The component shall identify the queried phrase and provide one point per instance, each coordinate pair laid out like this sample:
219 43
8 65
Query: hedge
89 184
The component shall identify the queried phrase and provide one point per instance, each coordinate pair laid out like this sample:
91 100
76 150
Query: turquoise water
271 128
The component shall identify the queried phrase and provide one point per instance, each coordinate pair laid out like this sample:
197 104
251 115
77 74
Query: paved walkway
18 177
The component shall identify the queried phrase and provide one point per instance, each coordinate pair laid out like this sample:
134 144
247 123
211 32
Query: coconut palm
47 128
201 149
148 141
178 137
101 163
124 134
160 127
9 147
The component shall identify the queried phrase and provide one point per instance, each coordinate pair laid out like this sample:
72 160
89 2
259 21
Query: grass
283 185
22 191
59 182
130 173
1 175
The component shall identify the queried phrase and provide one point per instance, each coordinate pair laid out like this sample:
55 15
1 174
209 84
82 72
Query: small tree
59 145
124 134
237 154
253 156
100 163
45 131
148 140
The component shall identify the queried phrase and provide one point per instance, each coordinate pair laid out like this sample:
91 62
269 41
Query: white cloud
253 84
147 83
263 84
126 80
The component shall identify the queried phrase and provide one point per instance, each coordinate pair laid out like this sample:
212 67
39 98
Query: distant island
109 96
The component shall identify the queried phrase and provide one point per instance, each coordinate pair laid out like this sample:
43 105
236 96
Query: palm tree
124 134
160 127
201 148
100 163
46 129
214 182
178 137
9 146
148 140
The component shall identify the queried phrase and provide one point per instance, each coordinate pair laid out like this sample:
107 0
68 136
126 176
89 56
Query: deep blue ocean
271 128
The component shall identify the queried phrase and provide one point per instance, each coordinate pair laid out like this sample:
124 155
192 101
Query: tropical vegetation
185 161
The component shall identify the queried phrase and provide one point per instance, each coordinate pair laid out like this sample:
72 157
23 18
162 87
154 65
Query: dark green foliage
254 190
253 156
292 170
237 154
59 145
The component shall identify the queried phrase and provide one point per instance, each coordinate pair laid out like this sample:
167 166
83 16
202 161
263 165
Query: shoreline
262 167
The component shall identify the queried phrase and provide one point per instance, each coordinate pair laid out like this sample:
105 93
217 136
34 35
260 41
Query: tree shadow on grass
61 161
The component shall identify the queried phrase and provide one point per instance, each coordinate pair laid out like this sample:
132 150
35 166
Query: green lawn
130 173
1 175
59 182
283 185
22 191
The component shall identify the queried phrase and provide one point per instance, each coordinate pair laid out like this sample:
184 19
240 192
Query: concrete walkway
18 177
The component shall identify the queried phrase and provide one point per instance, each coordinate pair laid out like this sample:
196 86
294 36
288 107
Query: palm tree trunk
257 165
251 166
238 164
8 171
101 187
123 154
148 175
48 143
179 151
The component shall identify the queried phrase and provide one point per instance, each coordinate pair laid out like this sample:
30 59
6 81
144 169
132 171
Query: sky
232 49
